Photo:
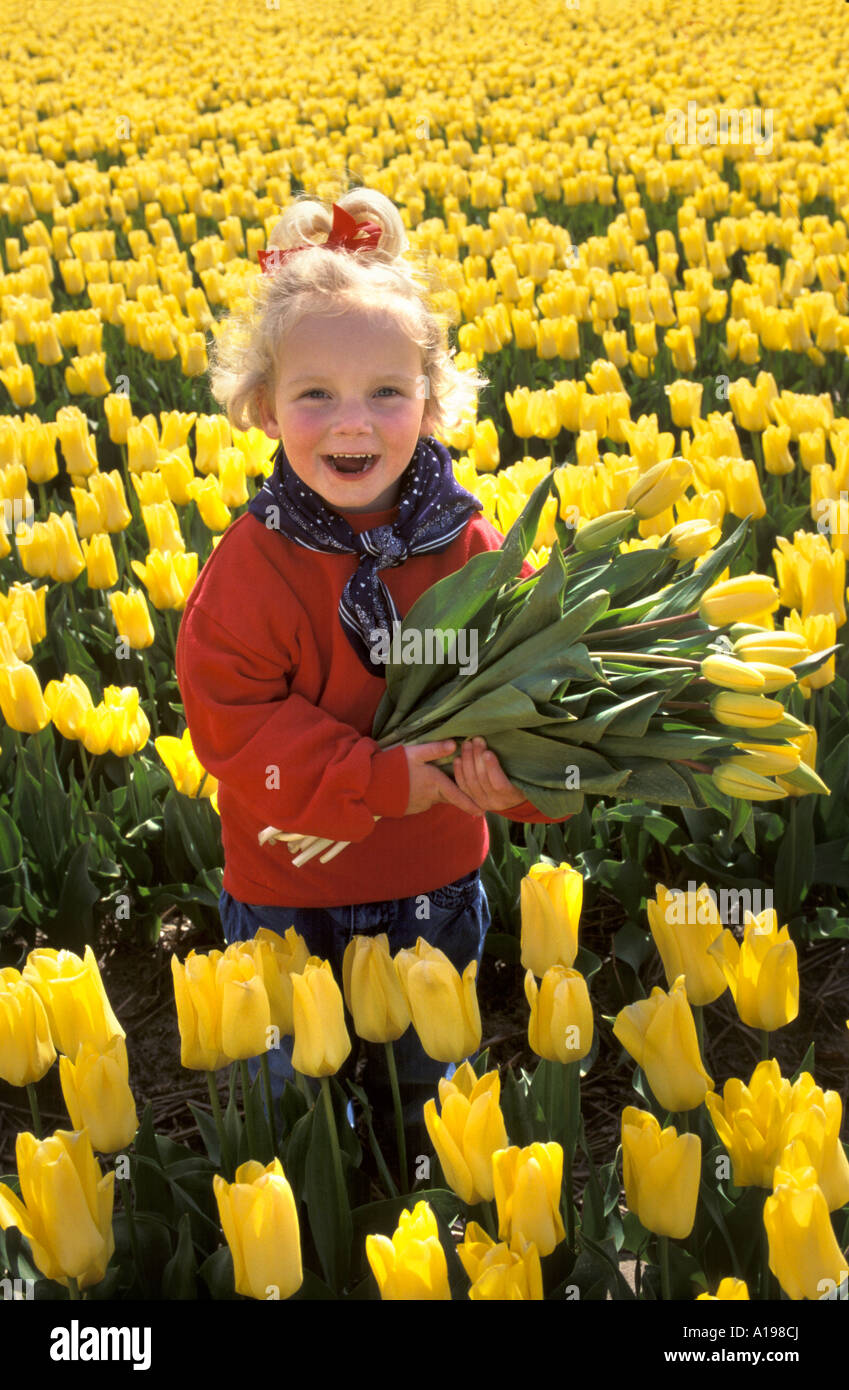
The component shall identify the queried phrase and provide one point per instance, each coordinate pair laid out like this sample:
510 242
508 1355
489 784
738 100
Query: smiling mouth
350 465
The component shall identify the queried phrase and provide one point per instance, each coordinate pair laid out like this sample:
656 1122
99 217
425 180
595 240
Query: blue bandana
433 509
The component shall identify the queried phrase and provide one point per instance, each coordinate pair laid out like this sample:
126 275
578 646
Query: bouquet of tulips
616 672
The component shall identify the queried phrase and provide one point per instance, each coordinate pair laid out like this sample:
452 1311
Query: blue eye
318 391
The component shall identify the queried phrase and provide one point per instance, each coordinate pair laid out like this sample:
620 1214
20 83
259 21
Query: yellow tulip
40 460
168 578
193 358
207 495
412 1265
762 974
102 570
21 700
74 998
738 780
68 701
87 512
738 710
198 1012
129 729
68 560
91 371
65 1208
751 1122
561 1023
278 958
108 490
727 671
662 1170
690 539
176 425
443 1006
815 1118
683 926
659 487
777 456
188 774
685 402
20 383
729 1288
734 600
373 990
484 450
660 1034
321 1038
551 900
260 1223
96 1087
119 415
468 1132
163 526
767 759
498 1272
26 1047
527 1194
132 619
803 1253
598 532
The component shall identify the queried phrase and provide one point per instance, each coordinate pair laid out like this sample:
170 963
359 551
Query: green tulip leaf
179 1279
217 1273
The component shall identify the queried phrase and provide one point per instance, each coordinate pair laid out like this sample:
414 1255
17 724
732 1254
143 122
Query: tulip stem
88 768
253 1142
642 627
699 1020
73 1288
345 1225
269 1099
399 1115
72 603
36 738
172 636
151 695
645 658
226 1157
36 1116
573 1121
665 1282
765 1271
125 555
126 1197
764 1045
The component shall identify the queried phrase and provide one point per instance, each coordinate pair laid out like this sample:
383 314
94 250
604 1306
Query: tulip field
639 218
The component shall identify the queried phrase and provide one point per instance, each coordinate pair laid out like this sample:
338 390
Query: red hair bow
346 235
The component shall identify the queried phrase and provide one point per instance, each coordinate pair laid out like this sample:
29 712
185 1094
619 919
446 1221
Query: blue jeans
454 918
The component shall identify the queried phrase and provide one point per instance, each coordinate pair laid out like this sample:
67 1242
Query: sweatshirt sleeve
292 764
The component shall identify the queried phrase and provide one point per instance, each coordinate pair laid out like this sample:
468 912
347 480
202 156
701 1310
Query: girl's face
348 384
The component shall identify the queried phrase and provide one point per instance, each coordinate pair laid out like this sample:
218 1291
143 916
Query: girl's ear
267 420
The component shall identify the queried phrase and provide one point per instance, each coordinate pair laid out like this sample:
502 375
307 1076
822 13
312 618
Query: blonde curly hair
245 354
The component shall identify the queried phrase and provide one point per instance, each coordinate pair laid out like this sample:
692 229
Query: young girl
340 358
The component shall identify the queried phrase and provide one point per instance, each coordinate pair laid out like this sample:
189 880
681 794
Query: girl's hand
428 785
478 773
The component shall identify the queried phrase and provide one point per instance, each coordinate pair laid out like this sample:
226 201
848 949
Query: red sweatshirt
280 710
